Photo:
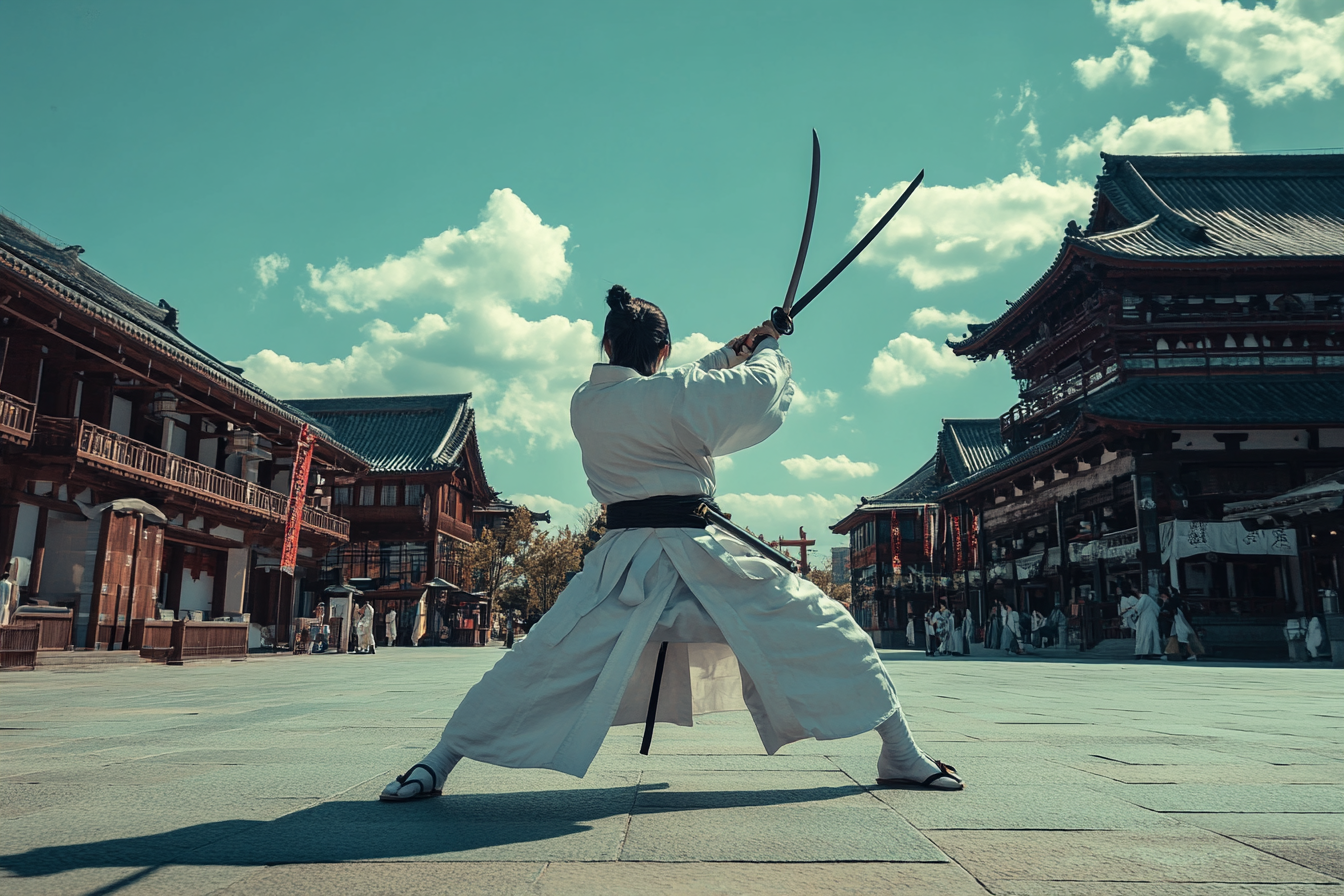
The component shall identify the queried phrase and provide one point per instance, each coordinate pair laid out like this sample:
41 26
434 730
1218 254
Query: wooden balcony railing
1055 395
133 459
16 418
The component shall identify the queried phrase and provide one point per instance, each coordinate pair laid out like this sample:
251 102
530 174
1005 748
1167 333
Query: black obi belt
659 512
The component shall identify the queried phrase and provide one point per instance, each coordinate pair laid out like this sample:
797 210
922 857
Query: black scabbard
769 553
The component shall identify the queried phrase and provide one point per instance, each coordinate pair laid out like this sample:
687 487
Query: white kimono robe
1147 638
364 628
1127 613
1012 630
967 633
742 631
390 627
953 642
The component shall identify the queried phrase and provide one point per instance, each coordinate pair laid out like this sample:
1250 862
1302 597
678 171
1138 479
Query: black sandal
944 771
421 794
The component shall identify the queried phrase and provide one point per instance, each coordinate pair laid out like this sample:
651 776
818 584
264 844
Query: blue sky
433 197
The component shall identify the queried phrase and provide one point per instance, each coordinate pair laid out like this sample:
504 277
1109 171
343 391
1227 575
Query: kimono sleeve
721 358
722 411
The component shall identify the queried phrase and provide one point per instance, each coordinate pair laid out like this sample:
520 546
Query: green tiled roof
1282 400
398 434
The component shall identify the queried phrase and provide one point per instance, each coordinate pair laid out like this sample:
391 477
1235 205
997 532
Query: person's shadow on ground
369 830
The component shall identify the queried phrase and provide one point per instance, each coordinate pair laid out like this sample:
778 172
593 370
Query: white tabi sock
441 759
901 757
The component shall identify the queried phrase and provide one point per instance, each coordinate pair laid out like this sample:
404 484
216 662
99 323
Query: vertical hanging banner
298 491
930 524
895 545
958 559
975 540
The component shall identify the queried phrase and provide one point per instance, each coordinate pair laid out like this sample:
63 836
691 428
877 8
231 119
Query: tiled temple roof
1201 210
399 434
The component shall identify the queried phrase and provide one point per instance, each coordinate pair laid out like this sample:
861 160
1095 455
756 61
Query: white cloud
562 514
840 467
691 348
1031 134
949 234
1191 130
810 402
1134 61
268 268
511 255
1273 52
933 317
909 360
723 464
522 372
776 516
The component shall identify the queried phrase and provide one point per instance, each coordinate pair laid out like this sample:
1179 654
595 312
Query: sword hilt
781 321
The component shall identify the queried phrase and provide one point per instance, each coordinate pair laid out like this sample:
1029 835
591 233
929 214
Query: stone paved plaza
261 777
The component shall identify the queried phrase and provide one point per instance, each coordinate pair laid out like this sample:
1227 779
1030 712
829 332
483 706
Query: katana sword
712 515
781 316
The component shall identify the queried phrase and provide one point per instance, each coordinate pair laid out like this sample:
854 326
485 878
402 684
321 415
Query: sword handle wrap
781 321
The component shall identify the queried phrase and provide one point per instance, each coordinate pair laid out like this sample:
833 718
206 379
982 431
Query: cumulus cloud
268 268
562 514
1133 61
923 318
522 372
691 348
909 360
776 516
1273 52
948 234
511 254
810 402
1191 130
838 467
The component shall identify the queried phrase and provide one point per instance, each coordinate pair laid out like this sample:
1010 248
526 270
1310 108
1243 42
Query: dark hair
635 329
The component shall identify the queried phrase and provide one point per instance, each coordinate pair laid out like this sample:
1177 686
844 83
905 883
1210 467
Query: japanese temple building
413 516
1184 351
138 473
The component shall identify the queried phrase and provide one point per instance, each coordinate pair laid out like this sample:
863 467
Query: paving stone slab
152 880
775 834
754 879
400 878
1222 774
1187 855
1323 854
1124 888
1294 825
1238 798
1007 807
736 790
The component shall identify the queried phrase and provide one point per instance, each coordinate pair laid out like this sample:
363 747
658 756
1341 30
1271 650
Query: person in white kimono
993 628
364 629
967 633
955 644
1127 615
1315 638
1147 638
741 631
1011 639
390 626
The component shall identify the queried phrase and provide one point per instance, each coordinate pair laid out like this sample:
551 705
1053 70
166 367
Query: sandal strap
434 779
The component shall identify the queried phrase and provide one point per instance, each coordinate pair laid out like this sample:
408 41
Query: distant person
9 598
1011 639
1147 639
1183 642
993 627
661 575
1126 609
390 626
967 632
364 629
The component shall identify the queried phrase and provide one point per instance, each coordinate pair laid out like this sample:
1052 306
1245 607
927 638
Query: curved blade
858 247
807 223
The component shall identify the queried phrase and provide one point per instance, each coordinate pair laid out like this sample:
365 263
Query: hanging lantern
163 404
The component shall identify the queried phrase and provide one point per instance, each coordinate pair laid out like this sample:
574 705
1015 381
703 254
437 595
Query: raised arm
725 410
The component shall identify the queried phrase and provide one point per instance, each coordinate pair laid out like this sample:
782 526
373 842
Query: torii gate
802 542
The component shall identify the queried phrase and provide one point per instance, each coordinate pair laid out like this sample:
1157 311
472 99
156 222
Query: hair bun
618 298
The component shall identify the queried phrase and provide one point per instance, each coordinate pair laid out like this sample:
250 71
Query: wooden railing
16 418
457 529
207 641
1057 394
120 454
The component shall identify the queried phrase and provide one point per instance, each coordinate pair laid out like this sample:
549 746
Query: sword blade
858 247
807 223
769 553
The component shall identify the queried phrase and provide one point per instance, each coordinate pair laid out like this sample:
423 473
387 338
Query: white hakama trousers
742 632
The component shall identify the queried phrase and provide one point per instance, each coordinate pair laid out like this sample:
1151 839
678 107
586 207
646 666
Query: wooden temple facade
139 475
414 514
1184 352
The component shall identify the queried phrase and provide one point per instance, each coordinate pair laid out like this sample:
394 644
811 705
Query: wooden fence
53 628
153 638
18 646
207 641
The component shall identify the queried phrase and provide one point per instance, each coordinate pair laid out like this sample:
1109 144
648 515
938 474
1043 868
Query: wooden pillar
220 584
172 597
39 553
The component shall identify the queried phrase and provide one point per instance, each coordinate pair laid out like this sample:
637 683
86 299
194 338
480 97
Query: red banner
930 521
298 493
895 544
975 539
958 558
